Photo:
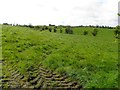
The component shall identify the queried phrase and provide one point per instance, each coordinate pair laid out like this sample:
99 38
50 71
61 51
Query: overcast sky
60 12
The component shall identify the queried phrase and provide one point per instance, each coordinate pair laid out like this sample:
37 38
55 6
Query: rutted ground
43 79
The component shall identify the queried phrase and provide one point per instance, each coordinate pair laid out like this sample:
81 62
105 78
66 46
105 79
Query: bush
60 30
95 31
46 28
50 29
68 30
117 32
43 28
30 26
85 32
55 30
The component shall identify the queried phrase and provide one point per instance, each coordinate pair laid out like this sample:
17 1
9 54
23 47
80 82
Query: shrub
60 30
117 31
85 32
30 26
55 30
50 29
95 31
43 28
68 30
46 28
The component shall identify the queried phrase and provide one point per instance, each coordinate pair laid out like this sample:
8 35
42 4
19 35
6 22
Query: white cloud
72 12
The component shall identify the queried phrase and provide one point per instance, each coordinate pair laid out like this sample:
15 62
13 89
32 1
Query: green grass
0 42
0 69
0 51
91 60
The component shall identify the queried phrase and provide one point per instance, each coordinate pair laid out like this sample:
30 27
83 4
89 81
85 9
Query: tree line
68 29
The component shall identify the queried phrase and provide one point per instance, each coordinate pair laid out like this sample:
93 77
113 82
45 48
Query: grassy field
0 53
90 60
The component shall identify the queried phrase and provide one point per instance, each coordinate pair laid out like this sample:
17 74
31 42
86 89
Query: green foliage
37 27
46 28
85 32
43 28
50 29
95 31
55 30
117 31
68 30
60 30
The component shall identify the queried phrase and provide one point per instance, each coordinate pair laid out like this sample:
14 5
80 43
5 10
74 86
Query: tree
30 26
5 23
95 31
68 30
46 28
50 29
117 31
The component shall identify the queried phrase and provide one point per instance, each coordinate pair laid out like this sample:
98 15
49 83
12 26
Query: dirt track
43 79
